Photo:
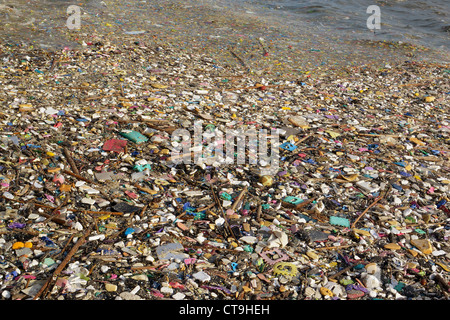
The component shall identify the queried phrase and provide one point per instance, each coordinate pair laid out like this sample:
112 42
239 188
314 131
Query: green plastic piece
399 286
134 136
141 168
358 266
293 200
419 231
49 262
338 221
200 215
346 282
225 196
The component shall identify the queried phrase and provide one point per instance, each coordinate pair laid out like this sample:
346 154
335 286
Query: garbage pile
93 206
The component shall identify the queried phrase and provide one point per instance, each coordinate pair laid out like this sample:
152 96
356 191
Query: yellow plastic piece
285 268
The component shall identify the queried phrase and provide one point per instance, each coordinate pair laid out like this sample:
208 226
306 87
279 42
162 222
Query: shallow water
308 33
423 22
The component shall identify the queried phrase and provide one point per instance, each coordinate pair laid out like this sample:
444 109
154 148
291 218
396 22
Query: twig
78 176
143 210
55 219
205 208
370 206
145 189
112 213
62 221
239 198
63 264
55 62
67 244
302 140
53 215
70 160
443 283
333 248
239 59
121 90
337 274
259 212
364 212
216 199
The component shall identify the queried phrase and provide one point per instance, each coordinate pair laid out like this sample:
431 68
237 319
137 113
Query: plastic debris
96 204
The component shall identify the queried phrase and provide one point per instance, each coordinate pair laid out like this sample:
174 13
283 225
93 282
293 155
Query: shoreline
87 139
214 28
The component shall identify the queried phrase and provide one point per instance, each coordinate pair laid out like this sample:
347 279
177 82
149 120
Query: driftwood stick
371 205
238 199
63 264
217 200
70 160
364 212
78 176
239 59
259 212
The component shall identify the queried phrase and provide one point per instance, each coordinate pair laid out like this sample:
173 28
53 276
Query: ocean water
424 22
330 26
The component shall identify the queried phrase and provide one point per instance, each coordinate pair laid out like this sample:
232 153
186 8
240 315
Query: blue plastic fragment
335 202
33 146
129 231
441 203
11 275
405 174
401 164
311 161
188 209
288 146
48 241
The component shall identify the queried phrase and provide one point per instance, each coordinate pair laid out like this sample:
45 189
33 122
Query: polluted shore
119 181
